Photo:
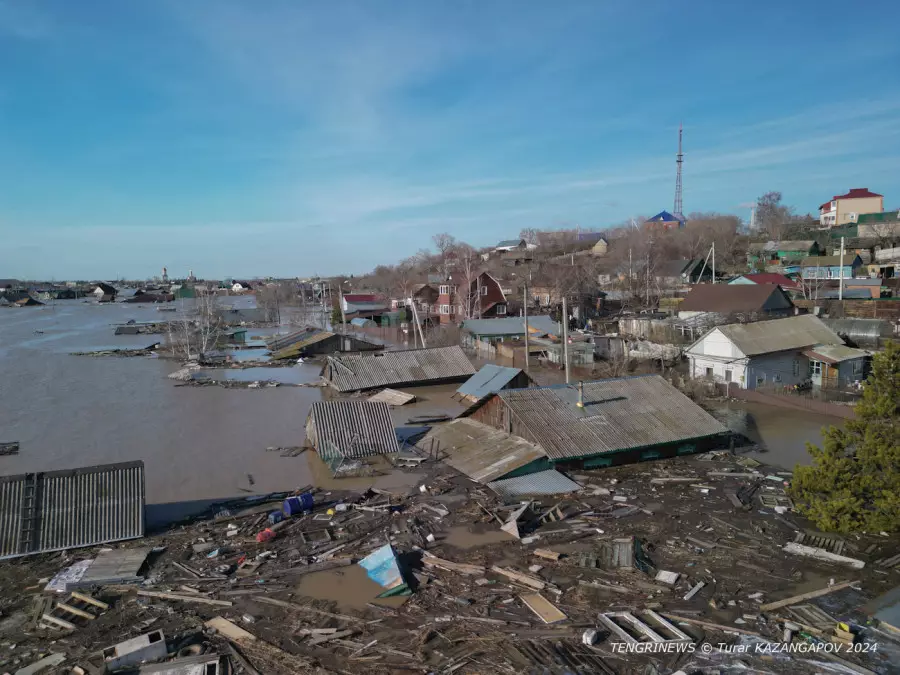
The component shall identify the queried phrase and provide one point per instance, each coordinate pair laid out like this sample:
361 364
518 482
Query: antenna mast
679 160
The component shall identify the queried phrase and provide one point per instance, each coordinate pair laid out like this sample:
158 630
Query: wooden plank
74 610
712 626
184 598
230 630
822 554
59 622
531 582
793 600
546 610
88 599
546 553
303 608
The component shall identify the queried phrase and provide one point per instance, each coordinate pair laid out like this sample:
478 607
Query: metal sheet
489 380
351 429
479 451
73 508
417 366
382 567
550 482
618 414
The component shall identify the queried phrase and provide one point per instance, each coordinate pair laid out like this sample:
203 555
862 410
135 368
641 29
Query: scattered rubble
424 580
149 350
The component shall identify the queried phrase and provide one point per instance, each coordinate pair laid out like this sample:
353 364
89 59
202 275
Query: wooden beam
74 610
185 598
793 600
88 599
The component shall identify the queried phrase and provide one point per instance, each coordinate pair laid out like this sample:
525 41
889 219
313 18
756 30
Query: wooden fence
816 402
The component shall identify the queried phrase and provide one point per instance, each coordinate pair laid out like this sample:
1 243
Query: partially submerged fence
823 402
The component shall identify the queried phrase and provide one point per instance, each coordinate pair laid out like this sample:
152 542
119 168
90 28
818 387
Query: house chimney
580 403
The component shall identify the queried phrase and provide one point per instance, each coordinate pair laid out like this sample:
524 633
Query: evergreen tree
853 484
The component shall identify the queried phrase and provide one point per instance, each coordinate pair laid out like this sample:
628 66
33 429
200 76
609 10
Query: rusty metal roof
618 414
777 335
417 366
43 512
351 429
479 451
731 298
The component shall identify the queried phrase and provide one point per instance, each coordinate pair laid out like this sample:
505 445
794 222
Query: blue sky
301 137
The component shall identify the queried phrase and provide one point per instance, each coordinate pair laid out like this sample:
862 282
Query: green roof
885 217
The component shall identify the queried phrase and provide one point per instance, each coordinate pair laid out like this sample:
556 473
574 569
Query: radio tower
679 160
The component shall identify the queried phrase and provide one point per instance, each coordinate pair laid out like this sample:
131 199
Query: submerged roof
77 507
794 332
618 414
730 298
295 348
359 372
479 451
351 429
277 342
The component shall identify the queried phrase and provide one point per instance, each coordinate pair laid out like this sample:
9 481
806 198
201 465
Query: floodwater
349 587
781 433
198 444
298 374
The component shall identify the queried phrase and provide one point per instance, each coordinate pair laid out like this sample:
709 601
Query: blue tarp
382 567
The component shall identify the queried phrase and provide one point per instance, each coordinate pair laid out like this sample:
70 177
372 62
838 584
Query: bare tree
197 333
444 243
529 234
772 215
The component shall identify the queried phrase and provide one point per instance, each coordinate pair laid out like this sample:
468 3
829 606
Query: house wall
829 272
698 366
849 371
848 210
779 369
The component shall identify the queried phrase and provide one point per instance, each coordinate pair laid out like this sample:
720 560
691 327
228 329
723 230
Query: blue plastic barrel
296 505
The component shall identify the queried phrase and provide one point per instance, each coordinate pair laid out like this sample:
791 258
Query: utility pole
649 246
525 305
565 336
343 313
841 273
679 160
714 261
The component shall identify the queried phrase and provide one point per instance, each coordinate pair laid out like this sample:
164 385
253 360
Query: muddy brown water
198 443
205 443
350 587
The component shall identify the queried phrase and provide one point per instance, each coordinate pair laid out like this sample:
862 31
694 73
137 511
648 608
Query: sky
292 138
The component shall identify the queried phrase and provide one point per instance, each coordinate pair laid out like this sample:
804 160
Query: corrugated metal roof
860 328
73 508
479 451
829 260
794 332
618 414
835 353
277 342
417 366
351 429
550 482
295 348
489 380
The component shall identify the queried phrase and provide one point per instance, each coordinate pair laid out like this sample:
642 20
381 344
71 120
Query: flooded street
781 432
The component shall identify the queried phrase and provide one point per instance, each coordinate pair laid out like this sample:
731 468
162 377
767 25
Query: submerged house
508 328
350 430
605 422
362 372
767 352
312 341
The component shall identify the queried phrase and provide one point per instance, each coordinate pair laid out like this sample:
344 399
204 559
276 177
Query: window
728 375
776 378
815 367
857 367
445 309
709 372
760 379
444 290
501 309
484 290
795 368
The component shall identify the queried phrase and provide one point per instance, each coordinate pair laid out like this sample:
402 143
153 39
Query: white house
755 354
